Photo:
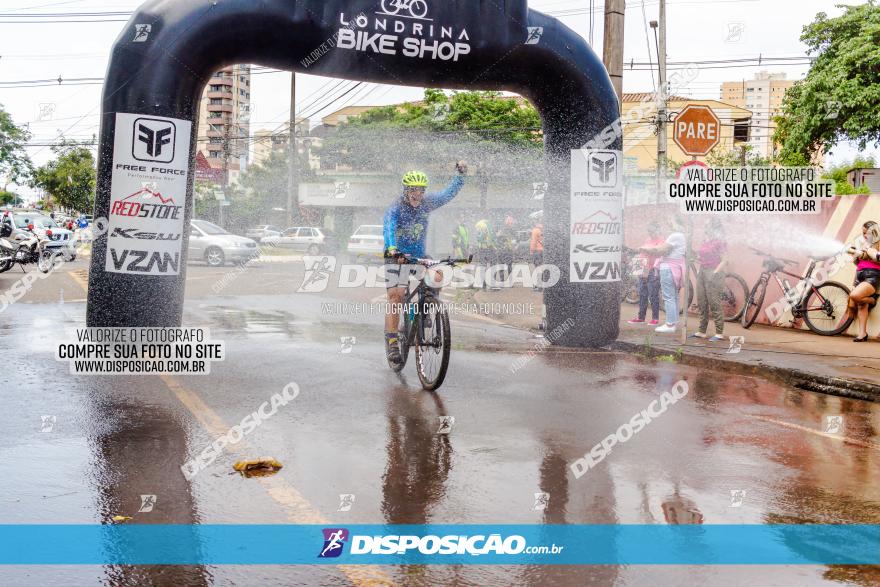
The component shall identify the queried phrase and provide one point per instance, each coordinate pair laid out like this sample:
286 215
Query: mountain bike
822 306
416 8
426 327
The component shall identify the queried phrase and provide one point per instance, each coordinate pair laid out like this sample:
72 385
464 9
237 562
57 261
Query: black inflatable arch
169 49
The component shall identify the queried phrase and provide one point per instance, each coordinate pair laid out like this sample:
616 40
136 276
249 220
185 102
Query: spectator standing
536 248
671 268
712 260
649 281
460 240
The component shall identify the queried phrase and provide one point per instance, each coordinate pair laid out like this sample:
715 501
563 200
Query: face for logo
603 169
153 140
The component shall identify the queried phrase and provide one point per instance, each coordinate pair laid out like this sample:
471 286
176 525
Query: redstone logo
598 223
151 205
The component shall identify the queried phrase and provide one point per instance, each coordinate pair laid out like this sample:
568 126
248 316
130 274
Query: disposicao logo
334 541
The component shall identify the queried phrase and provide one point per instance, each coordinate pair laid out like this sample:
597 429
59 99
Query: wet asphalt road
356 428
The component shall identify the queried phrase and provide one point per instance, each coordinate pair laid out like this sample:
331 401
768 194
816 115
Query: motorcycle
26 248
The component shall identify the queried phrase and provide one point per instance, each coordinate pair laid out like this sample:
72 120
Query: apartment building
224 119
763 97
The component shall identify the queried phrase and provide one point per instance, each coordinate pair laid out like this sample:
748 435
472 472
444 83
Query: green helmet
415 179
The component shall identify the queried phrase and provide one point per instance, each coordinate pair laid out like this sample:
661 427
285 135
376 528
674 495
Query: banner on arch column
596 233
147 195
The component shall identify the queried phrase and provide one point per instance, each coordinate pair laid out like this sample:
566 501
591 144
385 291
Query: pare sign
414 35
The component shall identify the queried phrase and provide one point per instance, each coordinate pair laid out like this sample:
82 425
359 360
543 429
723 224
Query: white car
367 241
263 231
312 240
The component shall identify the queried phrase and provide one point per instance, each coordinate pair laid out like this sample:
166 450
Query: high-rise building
763 97
224 119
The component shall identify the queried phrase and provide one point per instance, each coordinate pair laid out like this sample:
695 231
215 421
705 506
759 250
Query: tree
734 158
838 174
7 198
70 177
500 134
15 165
840 97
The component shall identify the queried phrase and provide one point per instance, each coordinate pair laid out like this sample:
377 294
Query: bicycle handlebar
761 253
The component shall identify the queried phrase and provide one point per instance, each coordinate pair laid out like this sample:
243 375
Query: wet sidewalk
827 364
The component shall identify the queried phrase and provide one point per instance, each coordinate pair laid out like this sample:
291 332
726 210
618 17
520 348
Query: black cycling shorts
871 276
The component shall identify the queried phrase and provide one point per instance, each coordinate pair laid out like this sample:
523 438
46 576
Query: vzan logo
402 26
153 140
603 169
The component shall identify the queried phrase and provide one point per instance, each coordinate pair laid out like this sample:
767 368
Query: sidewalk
826 364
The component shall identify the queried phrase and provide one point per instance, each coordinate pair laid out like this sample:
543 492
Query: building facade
224 120
763 96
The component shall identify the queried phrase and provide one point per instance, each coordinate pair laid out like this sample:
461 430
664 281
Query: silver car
215 246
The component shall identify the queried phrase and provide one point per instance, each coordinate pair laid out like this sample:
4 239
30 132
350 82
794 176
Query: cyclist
405 230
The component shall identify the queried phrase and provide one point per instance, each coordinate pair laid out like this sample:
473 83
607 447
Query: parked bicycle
426 327
822 306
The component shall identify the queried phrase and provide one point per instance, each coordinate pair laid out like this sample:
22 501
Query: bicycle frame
797 307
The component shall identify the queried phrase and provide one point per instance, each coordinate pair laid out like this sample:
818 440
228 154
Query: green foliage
8 197
15 165
498 133
840 97
733 158
838 174
70 178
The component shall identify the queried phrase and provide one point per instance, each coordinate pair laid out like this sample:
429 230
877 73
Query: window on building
215 154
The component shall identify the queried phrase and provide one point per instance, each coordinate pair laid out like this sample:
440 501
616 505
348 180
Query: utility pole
612 45
226 129
662 98
292 183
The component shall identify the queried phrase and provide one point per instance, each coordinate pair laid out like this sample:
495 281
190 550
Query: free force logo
334 542
154 140
603 169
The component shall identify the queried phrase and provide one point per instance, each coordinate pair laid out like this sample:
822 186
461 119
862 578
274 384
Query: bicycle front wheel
433 344
754 303
825 309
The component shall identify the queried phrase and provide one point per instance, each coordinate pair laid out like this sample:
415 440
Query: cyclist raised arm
405 231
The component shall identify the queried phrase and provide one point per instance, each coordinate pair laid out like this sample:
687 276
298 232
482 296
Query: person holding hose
866 256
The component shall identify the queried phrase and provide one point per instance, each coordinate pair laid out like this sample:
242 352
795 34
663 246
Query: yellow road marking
83 283
295 505
844 439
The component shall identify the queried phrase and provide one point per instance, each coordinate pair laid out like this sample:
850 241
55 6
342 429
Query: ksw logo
603 169
146 203
334 542
595 249
599 271
133 233
152 263
153 140
600 222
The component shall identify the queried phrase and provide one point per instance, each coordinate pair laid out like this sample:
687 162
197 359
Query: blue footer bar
439 544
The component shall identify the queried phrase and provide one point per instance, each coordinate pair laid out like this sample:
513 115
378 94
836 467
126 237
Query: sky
697 30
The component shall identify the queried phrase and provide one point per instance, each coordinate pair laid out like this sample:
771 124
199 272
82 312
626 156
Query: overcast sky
698 30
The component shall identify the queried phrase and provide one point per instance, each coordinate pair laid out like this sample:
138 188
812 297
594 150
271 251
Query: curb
848 388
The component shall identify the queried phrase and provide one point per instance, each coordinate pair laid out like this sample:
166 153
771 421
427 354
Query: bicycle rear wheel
433 344
733 297
754 304
825 309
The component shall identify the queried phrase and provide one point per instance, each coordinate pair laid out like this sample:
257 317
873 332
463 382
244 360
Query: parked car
60 239
215 246
309 239
262 231
367 241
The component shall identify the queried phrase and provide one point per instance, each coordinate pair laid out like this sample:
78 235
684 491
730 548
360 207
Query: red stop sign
697 130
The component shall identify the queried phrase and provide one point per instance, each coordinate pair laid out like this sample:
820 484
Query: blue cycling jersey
406 228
